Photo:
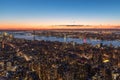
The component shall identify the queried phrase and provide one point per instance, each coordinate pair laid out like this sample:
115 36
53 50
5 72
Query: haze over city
50 14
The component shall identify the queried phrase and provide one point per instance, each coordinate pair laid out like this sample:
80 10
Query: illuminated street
53 60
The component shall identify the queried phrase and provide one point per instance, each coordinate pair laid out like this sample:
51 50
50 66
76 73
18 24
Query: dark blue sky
60 11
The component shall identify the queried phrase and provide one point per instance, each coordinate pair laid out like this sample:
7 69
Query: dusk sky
60 12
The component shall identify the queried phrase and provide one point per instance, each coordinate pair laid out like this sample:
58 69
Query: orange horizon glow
27 27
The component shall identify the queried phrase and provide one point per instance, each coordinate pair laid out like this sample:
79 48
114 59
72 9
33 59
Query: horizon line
45 27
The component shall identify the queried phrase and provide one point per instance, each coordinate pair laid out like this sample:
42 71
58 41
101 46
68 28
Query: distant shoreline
89 29
60 27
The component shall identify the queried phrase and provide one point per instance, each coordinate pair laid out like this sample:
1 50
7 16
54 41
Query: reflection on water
60 39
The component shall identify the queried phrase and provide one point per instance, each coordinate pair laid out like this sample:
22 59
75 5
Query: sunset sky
34 13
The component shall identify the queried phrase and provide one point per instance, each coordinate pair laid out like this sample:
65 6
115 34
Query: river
115 43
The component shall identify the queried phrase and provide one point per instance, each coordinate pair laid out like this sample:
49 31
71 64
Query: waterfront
28 57
29 36
59 39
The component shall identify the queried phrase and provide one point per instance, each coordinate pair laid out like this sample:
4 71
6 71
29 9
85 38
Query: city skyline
36 13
